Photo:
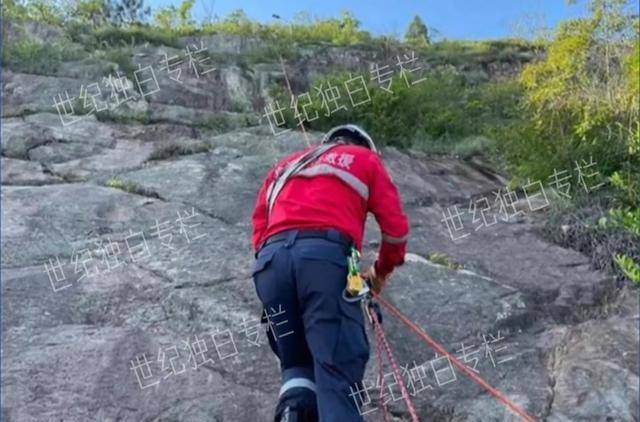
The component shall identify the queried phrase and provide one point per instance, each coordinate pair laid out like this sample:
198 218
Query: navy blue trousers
314 332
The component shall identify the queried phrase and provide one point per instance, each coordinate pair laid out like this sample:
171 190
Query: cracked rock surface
98 277
126 270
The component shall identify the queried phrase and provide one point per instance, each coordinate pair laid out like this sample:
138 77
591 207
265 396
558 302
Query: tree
348 30
127 12
46 11
582 103
417 34
94 12
172 18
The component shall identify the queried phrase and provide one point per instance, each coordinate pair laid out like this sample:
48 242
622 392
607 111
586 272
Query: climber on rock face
310 213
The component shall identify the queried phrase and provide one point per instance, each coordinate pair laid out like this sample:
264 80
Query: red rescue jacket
336 191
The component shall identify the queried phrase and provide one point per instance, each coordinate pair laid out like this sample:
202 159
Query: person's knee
340 346
352 353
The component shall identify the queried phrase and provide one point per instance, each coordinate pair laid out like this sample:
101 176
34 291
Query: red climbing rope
381 342
380 357
440 349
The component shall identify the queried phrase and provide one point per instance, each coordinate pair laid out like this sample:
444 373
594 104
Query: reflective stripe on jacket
336 191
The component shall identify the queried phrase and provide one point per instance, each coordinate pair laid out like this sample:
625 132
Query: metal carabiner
372 306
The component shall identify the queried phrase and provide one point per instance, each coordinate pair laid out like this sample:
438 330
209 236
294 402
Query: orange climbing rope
440 349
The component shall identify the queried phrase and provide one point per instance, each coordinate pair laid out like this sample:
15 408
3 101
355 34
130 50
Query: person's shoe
300 407
285 415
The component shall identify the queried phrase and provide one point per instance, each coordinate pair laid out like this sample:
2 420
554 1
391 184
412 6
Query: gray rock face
126 256
245 69
21 172
98 321
25 93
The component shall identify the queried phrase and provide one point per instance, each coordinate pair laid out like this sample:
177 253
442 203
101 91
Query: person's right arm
260 211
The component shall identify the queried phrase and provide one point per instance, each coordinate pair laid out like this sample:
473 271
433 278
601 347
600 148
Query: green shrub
122 57
177 19
472 146
629 267
114 36
477 53
92 12
31 56
43 11
336 31
579 102
628 216
434 115
585 224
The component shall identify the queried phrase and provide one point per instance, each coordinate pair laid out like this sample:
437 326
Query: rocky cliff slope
126 289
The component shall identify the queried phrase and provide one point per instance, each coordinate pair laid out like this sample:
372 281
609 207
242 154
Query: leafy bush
122 57
470 53
582 102
337 31
584 224
177 19
627 215
473 145
31 56
111 36
44 11
434 114
93 12
127 12
578 102
630 268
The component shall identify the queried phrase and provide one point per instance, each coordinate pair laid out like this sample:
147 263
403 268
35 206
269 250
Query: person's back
304 227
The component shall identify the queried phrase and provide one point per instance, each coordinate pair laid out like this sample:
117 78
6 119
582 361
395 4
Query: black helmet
352 132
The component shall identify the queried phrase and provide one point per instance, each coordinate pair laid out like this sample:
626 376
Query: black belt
329 234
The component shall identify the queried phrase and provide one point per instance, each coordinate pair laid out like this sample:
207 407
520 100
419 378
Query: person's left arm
386 205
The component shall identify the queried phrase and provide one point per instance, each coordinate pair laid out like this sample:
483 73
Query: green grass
131 116
177 148
122 57
134 35
472 146
469 53
130 187
445 260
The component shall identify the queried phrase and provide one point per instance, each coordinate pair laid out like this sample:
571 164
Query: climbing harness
371 301
292 169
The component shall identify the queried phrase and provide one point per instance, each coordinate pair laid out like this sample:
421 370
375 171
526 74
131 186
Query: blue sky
454 19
